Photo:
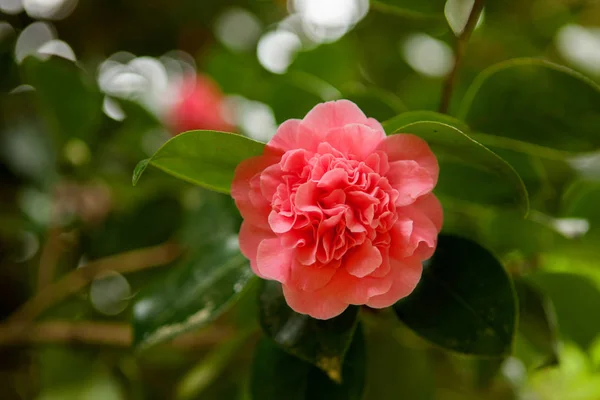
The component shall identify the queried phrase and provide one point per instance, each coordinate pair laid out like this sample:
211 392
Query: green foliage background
516 314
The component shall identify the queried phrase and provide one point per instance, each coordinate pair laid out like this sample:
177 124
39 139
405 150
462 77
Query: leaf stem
461 46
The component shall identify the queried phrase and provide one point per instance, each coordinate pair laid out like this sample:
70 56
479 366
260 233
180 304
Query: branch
77 279
461 46
99 333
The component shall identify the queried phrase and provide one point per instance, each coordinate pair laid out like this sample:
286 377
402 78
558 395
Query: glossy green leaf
465 301
204 158
463 161
277 375
577 303
535 101
68 98
320 342
193 295
537 321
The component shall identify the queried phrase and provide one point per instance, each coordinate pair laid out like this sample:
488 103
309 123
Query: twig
51 253
131 261
461 46
99 333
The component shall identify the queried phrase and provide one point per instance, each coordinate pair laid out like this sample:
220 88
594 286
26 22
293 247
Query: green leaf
194 294
204 158
279 375
375 102
411 8
465 301
463 161
537 321
397 365
199 377
320 342
68 98
535 101
577 303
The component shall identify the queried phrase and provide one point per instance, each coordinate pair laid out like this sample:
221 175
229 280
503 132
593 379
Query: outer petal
353 290
291 135
355 140
320 304
250 237
273 261
410 180
405 275
333 114
252 205
410 147
413 231
424 234
311 277
432 208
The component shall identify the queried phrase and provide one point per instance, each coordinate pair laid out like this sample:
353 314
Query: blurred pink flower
337 212
199 105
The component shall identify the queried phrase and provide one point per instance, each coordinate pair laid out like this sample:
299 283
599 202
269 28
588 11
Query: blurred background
89 88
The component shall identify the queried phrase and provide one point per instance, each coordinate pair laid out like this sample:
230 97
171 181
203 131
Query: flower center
326 204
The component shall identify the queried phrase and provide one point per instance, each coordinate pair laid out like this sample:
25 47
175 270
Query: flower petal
312 277
405 276
362 260
250 237
410 147
353 290
355 140
410 180
274 261
319 304
432 208
291 135
333 114
248 198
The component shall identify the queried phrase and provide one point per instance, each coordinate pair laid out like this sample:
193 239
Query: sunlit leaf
204 158
463 161
535 101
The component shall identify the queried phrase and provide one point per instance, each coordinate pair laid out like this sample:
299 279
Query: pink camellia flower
337 212
199 105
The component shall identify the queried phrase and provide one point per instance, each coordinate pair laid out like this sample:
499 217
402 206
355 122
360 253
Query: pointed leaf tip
139 170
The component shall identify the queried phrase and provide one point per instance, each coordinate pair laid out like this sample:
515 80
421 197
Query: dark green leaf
537 321
465 301
152 222
279 375
463 161
396 368
581 201
535 101
68 98
411 8
320 342
194 294
204 158
577 303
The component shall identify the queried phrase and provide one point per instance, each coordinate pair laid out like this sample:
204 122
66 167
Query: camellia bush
401 205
